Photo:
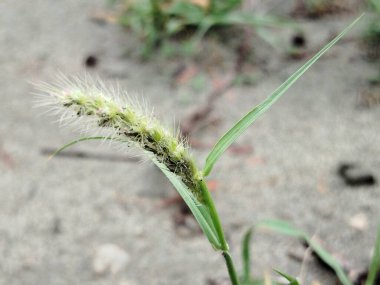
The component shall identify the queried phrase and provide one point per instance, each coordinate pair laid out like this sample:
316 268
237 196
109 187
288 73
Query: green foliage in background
317 8
372 34
371 37
155 21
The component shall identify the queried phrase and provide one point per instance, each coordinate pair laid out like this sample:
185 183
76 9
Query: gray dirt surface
54 214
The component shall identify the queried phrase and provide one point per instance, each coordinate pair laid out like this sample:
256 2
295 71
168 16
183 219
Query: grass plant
371 37
315 9
374 267
372 33
285 228
155 21
128 123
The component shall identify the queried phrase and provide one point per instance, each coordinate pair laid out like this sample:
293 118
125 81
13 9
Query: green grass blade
246 256
247 19
249 118
223 7
291 279
288 229
375 262
200 213
375 5
78 141
281 227
239 18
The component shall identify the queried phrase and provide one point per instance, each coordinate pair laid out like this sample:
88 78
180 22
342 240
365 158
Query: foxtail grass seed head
126 121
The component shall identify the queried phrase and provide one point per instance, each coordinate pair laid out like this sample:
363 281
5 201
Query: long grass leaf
288 229
291 279
78 141
199 211
249 118
246 256
375 262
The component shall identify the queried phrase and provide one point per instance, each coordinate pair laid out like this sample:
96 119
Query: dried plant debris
370 97
201 114
355 176
314 9
373 49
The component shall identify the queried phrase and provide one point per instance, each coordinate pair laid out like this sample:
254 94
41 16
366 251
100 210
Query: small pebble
359 222
109 258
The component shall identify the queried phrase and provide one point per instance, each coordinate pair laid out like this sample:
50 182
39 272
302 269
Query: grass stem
214 214
231 268
218 227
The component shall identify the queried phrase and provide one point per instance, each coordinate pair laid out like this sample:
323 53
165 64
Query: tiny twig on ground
243 51
198 116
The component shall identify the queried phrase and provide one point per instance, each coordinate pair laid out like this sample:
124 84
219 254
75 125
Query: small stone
359 222
109 258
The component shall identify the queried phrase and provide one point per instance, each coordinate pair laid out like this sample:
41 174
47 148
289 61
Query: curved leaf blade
375 262
199 211
292 280
227 139
78 141
246 256
288 229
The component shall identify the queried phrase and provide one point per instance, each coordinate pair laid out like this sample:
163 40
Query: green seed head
125 122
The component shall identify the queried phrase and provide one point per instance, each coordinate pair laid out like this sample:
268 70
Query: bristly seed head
91 99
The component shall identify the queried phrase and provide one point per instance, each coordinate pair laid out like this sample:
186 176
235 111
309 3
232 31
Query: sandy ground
54 215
